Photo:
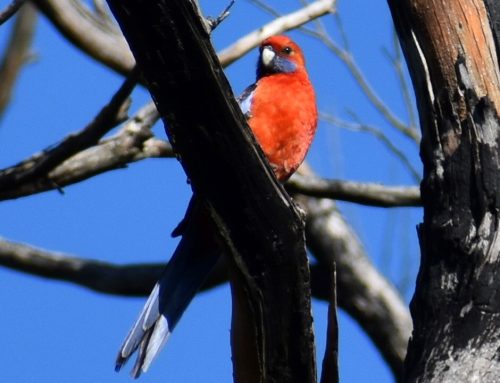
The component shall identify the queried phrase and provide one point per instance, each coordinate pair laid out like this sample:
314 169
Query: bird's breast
283 120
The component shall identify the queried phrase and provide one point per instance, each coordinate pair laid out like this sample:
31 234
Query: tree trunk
451 52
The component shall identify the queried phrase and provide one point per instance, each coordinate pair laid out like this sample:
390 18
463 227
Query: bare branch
282 24
42 163
96 275
267 8
10 10
16 53
128 280
134 142
370 194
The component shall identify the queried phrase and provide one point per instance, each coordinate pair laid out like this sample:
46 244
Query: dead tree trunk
451 52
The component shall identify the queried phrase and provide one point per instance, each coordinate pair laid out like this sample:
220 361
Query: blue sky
55 331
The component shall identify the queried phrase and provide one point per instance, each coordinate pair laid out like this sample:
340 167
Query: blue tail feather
188 268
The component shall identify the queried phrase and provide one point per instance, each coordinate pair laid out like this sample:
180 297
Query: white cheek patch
267 56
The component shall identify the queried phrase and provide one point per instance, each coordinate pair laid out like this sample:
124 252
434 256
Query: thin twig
343 34
359 127
267 8
397 62
10 10
215 22
321 34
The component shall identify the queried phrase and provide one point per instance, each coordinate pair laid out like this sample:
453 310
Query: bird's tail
188 268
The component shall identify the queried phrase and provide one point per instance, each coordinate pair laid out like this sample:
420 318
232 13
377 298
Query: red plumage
283 114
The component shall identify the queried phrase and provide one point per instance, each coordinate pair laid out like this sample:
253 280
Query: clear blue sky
57 332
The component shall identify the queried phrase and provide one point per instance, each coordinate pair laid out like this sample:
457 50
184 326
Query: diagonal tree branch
40 164
10 10
133 143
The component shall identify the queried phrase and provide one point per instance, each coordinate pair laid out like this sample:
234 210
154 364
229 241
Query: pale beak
267 55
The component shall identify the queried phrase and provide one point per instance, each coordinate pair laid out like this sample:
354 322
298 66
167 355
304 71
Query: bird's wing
245 100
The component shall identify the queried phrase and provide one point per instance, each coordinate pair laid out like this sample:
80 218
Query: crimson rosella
281 111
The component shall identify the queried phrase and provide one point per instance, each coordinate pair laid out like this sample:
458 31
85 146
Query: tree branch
363 193
366 296
40 164
10 10
103 277
134 142
97 37
282 24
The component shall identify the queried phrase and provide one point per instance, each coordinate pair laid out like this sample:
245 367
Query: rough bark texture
453 62
255 216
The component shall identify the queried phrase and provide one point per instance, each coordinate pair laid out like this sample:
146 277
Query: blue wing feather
246 99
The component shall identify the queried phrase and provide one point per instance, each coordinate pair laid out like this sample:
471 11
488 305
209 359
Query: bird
280 108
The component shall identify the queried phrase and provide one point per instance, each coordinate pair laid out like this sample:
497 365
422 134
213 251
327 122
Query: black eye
287 50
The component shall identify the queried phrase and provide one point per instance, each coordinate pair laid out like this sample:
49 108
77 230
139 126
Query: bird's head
279 54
